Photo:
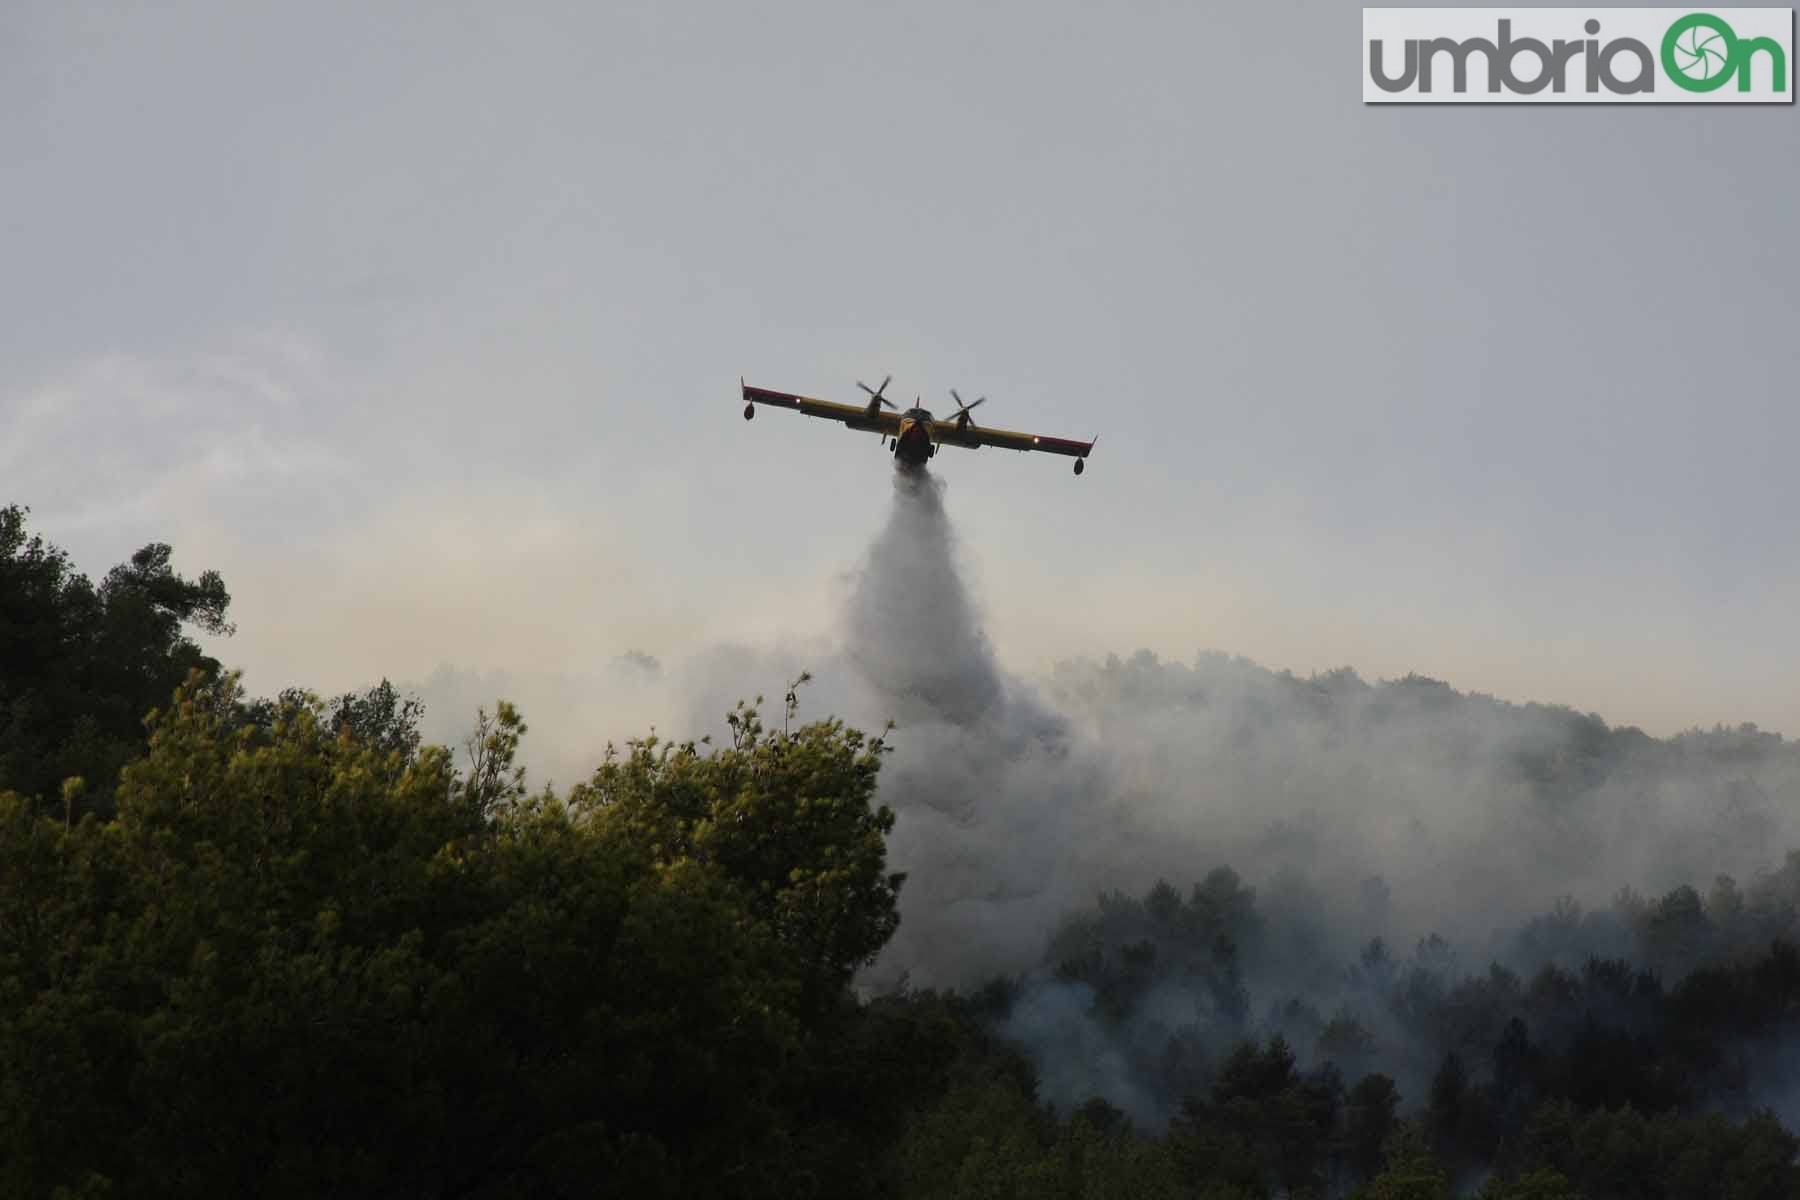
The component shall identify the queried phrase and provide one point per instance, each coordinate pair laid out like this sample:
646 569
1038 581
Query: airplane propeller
963 410
875 393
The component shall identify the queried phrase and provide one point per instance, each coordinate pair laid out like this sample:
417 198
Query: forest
285 946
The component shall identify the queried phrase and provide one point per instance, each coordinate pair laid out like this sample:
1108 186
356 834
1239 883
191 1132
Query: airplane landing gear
1080 465
749 411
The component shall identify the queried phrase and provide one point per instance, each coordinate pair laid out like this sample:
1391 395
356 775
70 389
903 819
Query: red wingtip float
914 435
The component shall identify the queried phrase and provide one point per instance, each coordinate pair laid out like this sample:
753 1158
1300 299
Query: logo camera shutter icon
1700 52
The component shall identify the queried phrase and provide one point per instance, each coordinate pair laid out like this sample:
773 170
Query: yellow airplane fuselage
912 445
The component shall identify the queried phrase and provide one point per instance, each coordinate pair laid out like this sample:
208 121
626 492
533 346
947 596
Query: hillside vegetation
281 947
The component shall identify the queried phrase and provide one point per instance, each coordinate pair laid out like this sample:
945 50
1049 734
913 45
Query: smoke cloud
1297 819
992 797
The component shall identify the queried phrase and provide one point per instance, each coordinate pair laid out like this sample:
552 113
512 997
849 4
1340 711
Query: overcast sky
423 324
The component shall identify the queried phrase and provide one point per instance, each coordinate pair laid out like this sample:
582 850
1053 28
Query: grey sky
423 324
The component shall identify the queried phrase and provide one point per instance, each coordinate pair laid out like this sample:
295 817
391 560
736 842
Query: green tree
788 817
1265 1125
85 664
1369 1119
984 1139
381 718
298 963
1542 1184
1411 1174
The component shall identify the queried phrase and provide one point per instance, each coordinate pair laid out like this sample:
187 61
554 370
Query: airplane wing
973 436
856 416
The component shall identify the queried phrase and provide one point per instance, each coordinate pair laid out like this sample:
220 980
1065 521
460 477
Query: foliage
281 947
84 664
788 818
298 963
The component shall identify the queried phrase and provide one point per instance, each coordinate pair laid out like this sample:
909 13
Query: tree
494 780
288 967
1266 1123
380 718
1410 1173
1347 1042
789 817
85 664
1369 1119
1538 1185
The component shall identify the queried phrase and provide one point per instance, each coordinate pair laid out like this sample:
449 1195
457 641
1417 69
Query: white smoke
1396 810
992 799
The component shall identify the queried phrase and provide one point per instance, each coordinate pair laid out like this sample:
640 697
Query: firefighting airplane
915 435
